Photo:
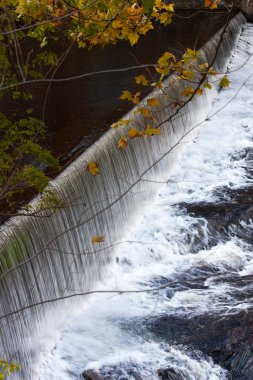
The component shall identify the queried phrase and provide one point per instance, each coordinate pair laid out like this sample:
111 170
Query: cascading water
54 256
195 243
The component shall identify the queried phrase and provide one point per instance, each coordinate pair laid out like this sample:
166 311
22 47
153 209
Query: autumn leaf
188 74
134 133
199 91
136 100
143 111
163 60
207 85
152 102
152 131
211 4
188 91
120 123
117 24
126 95
133 38
97 239
224 82
93 168
123 142
141 79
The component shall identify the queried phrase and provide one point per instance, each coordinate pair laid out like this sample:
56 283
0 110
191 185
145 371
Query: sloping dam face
50 255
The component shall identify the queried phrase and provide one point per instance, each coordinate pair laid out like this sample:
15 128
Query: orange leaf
123 142
134 133
93 168
152 102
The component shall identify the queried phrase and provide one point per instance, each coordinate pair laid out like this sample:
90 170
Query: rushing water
50 255
195 242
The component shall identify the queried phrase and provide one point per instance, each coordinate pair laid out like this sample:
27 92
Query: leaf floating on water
97 239
93 168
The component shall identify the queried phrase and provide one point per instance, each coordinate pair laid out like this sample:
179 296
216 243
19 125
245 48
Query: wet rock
170 374
91 374
228 339
118 371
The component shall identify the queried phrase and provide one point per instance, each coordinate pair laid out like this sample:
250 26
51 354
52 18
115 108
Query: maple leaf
141 79
133 38
97 239
93 168
152 102
126 95
163 60
224 82
123 142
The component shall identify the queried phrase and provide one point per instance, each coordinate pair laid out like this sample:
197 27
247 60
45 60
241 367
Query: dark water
79 111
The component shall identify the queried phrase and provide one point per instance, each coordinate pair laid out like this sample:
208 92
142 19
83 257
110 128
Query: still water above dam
80 111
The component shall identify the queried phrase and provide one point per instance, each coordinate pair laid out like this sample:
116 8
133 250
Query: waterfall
50 255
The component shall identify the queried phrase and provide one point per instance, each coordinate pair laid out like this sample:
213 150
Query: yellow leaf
134 133
224 82
152 131
188 74
93 168
152 102
97 239
211 71
188 91
144 29
133 38
207 85
166 18
116 24
120 123
126 95
142 110
170 7
136 99
123 142
163 60
199 91
141 79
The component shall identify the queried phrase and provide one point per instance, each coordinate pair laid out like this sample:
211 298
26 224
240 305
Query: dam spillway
51 256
